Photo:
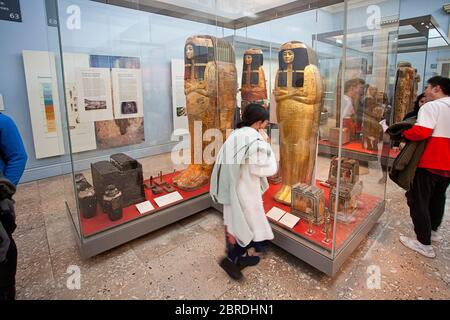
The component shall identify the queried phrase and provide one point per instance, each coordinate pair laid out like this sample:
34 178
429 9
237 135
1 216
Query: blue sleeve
12 150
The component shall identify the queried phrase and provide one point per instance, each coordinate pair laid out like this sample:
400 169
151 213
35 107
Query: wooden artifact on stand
308 202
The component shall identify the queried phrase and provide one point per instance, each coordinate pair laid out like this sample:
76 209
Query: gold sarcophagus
308 202
210 86
298 93
406 84
253 87
372 130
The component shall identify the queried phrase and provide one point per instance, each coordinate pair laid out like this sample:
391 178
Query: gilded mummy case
372 129
298 93
253 85
406 85
210 87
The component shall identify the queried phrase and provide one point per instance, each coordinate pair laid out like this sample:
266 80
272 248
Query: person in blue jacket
13 156
12 164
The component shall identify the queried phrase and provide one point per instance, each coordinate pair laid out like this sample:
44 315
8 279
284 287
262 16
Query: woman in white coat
238 181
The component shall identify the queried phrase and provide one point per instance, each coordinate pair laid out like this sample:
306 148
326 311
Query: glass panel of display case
357 175
31 90
438 53
136 85
283 66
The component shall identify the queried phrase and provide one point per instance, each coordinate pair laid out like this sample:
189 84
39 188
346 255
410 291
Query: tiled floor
180 261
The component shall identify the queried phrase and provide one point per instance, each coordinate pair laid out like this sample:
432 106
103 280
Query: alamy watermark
206 146
374 278
74 280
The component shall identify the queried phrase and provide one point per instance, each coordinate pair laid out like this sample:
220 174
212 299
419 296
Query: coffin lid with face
257 62
303 56
206 49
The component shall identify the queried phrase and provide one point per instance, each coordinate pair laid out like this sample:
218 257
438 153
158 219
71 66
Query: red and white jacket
433 122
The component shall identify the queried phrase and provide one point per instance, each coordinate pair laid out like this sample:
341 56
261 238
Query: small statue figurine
253 89
310 220
373 112
153 187
327 227
210 87
298 93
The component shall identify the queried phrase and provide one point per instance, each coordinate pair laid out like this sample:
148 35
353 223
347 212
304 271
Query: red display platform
356 146
344 230
101 222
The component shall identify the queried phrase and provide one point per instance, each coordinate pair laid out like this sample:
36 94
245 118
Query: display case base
319 257
133 229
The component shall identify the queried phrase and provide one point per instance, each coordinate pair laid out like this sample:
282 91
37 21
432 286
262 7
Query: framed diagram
43 102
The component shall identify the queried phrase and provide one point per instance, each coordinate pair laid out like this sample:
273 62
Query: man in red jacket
426 198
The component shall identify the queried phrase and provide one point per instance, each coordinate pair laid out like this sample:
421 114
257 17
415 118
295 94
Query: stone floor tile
191 271
27 192
34 272
163 240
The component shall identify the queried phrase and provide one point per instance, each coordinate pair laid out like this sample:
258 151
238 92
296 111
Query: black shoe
247 261
232 269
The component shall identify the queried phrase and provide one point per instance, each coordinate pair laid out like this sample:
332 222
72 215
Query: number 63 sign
10 10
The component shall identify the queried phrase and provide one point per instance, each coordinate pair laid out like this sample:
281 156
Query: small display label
10 10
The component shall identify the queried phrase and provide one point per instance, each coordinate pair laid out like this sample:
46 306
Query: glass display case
148 89
144 84
330 96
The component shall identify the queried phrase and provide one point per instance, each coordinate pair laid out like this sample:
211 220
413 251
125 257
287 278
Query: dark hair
353 83
253 113
442 82
416 103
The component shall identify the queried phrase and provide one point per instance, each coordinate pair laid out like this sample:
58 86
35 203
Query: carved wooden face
288 56
189 51
248 59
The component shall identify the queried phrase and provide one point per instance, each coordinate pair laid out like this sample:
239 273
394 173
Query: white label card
145 207
276 213
168 199
289 220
